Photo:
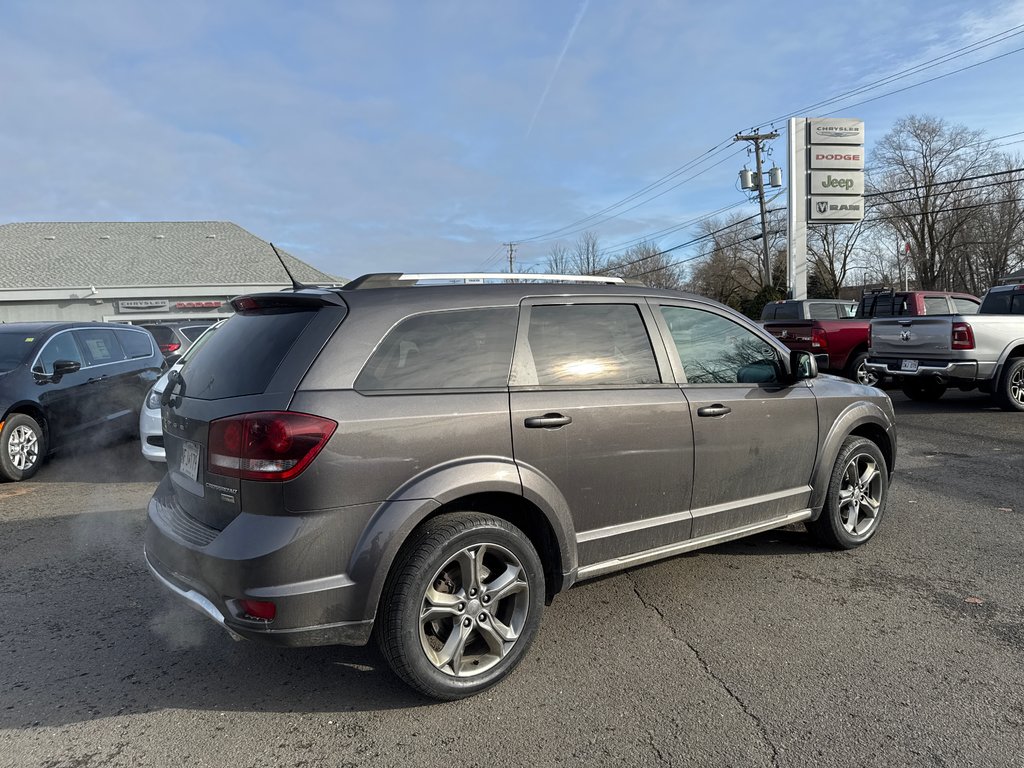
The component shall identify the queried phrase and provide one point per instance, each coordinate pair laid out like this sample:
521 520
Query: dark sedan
65 382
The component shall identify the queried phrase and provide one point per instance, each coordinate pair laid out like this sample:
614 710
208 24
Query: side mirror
64 367
802 366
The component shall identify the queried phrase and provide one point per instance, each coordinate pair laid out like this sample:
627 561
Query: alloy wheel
860 495
1017 386
474 610
23 447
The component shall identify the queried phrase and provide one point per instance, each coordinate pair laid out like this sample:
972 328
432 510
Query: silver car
430 464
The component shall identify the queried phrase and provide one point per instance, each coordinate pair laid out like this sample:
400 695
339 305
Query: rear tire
462 605
857 371
1010 392
923 391
22 447
856 497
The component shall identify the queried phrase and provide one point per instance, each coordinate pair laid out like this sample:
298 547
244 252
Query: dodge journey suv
428 464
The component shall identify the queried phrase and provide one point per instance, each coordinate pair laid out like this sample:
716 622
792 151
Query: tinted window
162 334
99 345
135 343
1004 303
60 347
588 345
242 356
787 311
822 311
936 305
458 349
716 350
965 306
192 332
14 349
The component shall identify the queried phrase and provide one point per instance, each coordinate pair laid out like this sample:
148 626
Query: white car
151 433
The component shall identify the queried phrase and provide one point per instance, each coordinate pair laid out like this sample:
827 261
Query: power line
946 183
627 244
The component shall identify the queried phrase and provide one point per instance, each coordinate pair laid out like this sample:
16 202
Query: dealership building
137 271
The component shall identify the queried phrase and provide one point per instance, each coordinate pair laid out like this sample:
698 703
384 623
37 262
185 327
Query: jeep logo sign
837 182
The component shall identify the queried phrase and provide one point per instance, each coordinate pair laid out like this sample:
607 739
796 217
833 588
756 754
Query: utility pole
757 138
511 256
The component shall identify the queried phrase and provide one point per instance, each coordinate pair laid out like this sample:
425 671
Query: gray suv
431 463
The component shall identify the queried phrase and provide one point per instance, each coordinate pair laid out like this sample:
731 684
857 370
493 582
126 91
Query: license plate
190 459
910 366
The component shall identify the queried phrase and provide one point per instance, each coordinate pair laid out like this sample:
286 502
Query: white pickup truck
931 353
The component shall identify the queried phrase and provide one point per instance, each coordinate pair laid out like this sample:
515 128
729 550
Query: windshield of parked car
15 349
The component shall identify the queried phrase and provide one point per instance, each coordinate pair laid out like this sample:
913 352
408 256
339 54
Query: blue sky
370 136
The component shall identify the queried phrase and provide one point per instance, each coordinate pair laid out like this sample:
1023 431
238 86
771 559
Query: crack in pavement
710 672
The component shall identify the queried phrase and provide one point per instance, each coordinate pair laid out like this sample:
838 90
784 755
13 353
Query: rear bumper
151 434
958 370
291 560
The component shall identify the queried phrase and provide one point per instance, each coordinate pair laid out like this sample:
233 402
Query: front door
593 416
755 438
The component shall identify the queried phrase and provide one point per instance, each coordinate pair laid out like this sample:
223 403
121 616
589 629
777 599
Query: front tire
1010 392
22 447
857 493
924 391
461 605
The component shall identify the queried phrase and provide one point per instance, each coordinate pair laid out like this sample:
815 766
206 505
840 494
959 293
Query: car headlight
153 400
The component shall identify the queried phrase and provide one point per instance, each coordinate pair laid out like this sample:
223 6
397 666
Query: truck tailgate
912 337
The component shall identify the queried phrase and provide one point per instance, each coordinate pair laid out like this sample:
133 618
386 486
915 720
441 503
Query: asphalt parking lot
766 651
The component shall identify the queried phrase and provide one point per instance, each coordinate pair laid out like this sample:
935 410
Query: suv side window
936 305
457 349
715 350
587 345
135 343
60 347
100 346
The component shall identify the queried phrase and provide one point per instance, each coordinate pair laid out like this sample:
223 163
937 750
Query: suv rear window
243 355
457 349
161 333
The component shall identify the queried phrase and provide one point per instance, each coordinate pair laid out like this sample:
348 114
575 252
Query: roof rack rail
401 280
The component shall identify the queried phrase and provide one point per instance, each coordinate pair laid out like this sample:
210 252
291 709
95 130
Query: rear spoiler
306 297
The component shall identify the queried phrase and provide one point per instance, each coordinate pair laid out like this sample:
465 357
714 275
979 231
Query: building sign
836 208
835 161
836 182
199 305
848 158
836 131
143 305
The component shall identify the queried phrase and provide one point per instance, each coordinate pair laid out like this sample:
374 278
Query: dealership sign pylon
826 184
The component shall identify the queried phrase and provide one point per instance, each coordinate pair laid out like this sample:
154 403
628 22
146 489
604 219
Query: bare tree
647 263
831 250
585 256
558 261
920 181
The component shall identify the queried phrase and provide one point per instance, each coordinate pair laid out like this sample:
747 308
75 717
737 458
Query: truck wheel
1010 392
924 391
858 371
22 447
462 605
856 496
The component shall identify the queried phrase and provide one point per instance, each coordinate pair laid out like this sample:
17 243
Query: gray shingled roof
122 253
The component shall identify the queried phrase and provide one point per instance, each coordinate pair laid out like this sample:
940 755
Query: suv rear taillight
174 346
818 339
963 336
270 445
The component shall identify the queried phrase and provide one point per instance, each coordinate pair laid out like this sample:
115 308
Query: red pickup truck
841 346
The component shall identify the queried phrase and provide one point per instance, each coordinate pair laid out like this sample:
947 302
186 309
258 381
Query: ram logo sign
836 208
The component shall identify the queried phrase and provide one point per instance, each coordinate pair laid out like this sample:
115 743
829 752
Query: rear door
595 414
755 438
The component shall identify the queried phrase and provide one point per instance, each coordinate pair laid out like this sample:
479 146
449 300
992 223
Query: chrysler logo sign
837 131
